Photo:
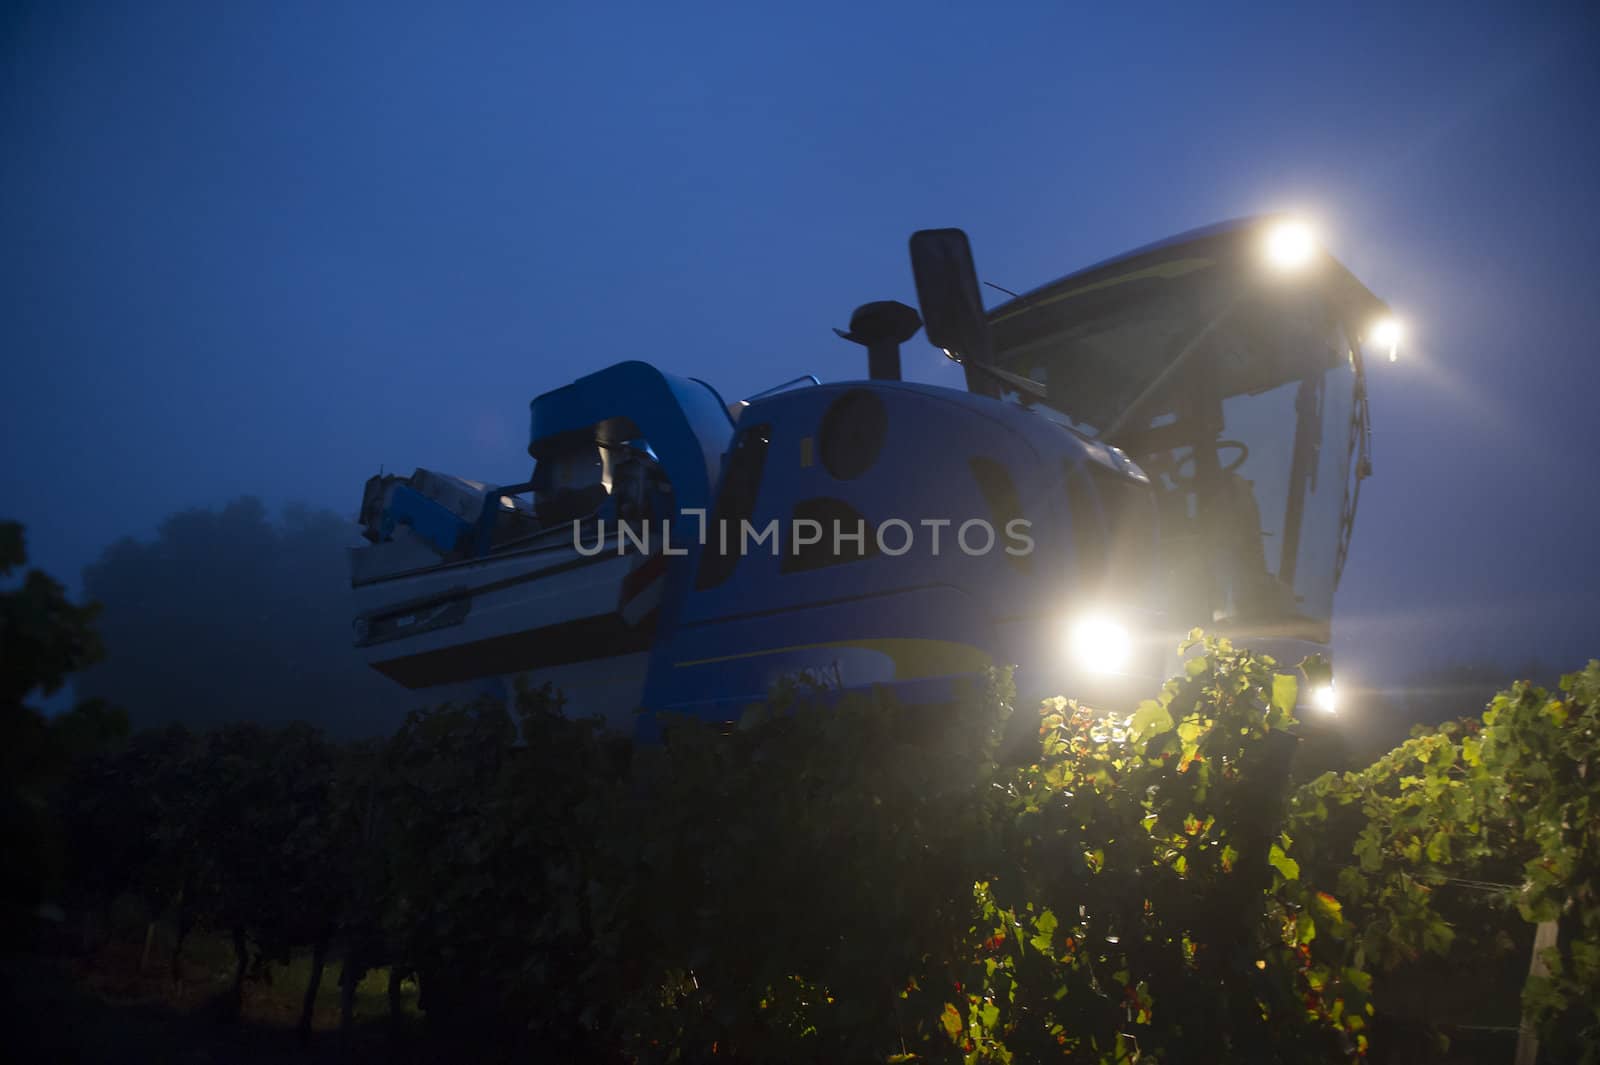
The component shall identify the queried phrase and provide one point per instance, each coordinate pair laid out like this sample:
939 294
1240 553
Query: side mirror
947 289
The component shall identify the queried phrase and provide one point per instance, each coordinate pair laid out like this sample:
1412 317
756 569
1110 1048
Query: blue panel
432 522
685 421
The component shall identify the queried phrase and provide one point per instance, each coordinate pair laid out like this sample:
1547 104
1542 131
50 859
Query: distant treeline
227 615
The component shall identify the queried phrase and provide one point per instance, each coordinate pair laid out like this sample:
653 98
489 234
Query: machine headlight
1387 334
1324 698
1290 245
1099 644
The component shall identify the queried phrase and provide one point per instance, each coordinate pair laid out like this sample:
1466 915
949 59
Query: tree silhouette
227 616
44 638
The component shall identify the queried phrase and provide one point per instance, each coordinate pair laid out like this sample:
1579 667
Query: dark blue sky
263 248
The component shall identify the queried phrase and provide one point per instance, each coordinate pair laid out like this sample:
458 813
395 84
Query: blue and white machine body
964 558
1164 440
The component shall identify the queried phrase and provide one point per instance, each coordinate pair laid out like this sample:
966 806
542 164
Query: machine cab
1233 375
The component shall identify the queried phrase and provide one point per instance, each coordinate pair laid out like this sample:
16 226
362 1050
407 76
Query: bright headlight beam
1290 245
1099 644
1325 699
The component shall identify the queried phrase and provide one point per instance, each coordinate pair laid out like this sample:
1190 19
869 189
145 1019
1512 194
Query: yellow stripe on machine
914 659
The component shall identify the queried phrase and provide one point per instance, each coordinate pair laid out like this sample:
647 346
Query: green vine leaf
1286 866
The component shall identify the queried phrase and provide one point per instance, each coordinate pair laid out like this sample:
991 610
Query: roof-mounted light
1290 245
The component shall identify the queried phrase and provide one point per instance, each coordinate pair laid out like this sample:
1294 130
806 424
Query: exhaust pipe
881 328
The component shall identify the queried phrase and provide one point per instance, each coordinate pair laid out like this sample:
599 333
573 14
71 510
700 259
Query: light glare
1387 334
1100 645
1324 699
1290 245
